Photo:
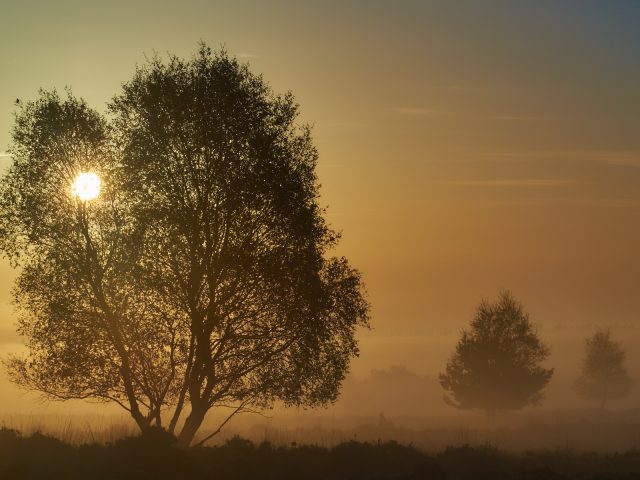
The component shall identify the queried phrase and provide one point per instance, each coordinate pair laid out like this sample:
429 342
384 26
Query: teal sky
465 146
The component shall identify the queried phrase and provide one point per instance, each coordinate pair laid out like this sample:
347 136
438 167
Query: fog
392 393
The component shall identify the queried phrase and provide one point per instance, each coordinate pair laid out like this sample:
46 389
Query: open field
579 431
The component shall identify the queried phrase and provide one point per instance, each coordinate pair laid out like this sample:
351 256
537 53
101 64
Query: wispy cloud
625 158
514 118
415 110
519 182
577 202
5 155
615 157
247 55
347 125
434 111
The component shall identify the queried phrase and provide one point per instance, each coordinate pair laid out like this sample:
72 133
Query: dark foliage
157 456
496 364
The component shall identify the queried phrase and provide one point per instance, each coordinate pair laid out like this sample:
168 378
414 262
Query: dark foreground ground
157 457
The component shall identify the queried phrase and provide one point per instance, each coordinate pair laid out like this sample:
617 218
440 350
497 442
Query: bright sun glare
86 186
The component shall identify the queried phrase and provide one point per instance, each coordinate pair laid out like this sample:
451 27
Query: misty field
579 431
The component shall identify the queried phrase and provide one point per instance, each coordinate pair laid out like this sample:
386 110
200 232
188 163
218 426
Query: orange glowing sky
465 147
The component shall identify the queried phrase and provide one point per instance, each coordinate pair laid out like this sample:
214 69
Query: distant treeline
157 456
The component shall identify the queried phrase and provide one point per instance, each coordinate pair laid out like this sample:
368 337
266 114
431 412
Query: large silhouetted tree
201 275
496 364
604 375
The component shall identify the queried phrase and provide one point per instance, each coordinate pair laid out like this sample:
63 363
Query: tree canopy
496 363
201 276
604 375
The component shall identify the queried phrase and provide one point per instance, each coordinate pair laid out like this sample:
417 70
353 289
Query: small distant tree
604 375
496 364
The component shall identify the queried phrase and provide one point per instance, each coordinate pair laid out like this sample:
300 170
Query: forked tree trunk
191 426
141 421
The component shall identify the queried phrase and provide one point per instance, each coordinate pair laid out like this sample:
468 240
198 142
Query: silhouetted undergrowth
157 456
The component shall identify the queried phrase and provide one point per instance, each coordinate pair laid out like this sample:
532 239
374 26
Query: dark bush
157 456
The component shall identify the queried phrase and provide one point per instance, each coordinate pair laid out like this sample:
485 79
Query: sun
86 186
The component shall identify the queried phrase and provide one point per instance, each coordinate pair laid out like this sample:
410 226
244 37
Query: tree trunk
143 423
191 425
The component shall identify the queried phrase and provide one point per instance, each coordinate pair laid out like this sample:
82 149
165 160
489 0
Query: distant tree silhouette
604 375
496 364
200 277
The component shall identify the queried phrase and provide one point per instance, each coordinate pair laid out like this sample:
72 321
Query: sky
465 147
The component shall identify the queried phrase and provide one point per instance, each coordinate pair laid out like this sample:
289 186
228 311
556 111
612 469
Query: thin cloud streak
415 111
575 202
347 125
629 158
514 118
525 182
